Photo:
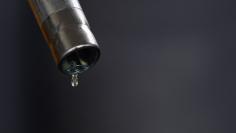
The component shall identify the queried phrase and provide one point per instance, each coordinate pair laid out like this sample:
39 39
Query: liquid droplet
75 80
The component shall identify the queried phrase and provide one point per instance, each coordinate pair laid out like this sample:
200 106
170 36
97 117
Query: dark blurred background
167 66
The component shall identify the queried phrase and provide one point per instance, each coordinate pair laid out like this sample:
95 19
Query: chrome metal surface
45 8
66 29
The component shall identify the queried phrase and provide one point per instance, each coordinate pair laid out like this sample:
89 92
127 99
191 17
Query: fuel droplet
75 80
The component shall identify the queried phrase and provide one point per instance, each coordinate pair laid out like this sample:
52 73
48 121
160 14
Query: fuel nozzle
67 32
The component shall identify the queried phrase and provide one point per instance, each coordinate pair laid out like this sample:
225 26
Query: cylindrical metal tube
68 34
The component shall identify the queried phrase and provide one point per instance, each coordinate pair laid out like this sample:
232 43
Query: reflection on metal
68 34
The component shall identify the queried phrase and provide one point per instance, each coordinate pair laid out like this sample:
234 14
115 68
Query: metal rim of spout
92 51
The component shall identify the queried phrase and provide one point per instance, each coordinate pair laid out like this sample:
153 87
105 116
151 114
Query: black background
167 66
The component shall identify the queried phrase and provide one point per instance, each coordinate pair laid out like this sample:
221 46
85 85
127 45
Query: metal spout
67 33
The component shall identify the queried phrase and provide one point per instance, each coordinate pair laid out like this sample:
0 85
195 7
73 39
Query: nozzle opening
79 60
